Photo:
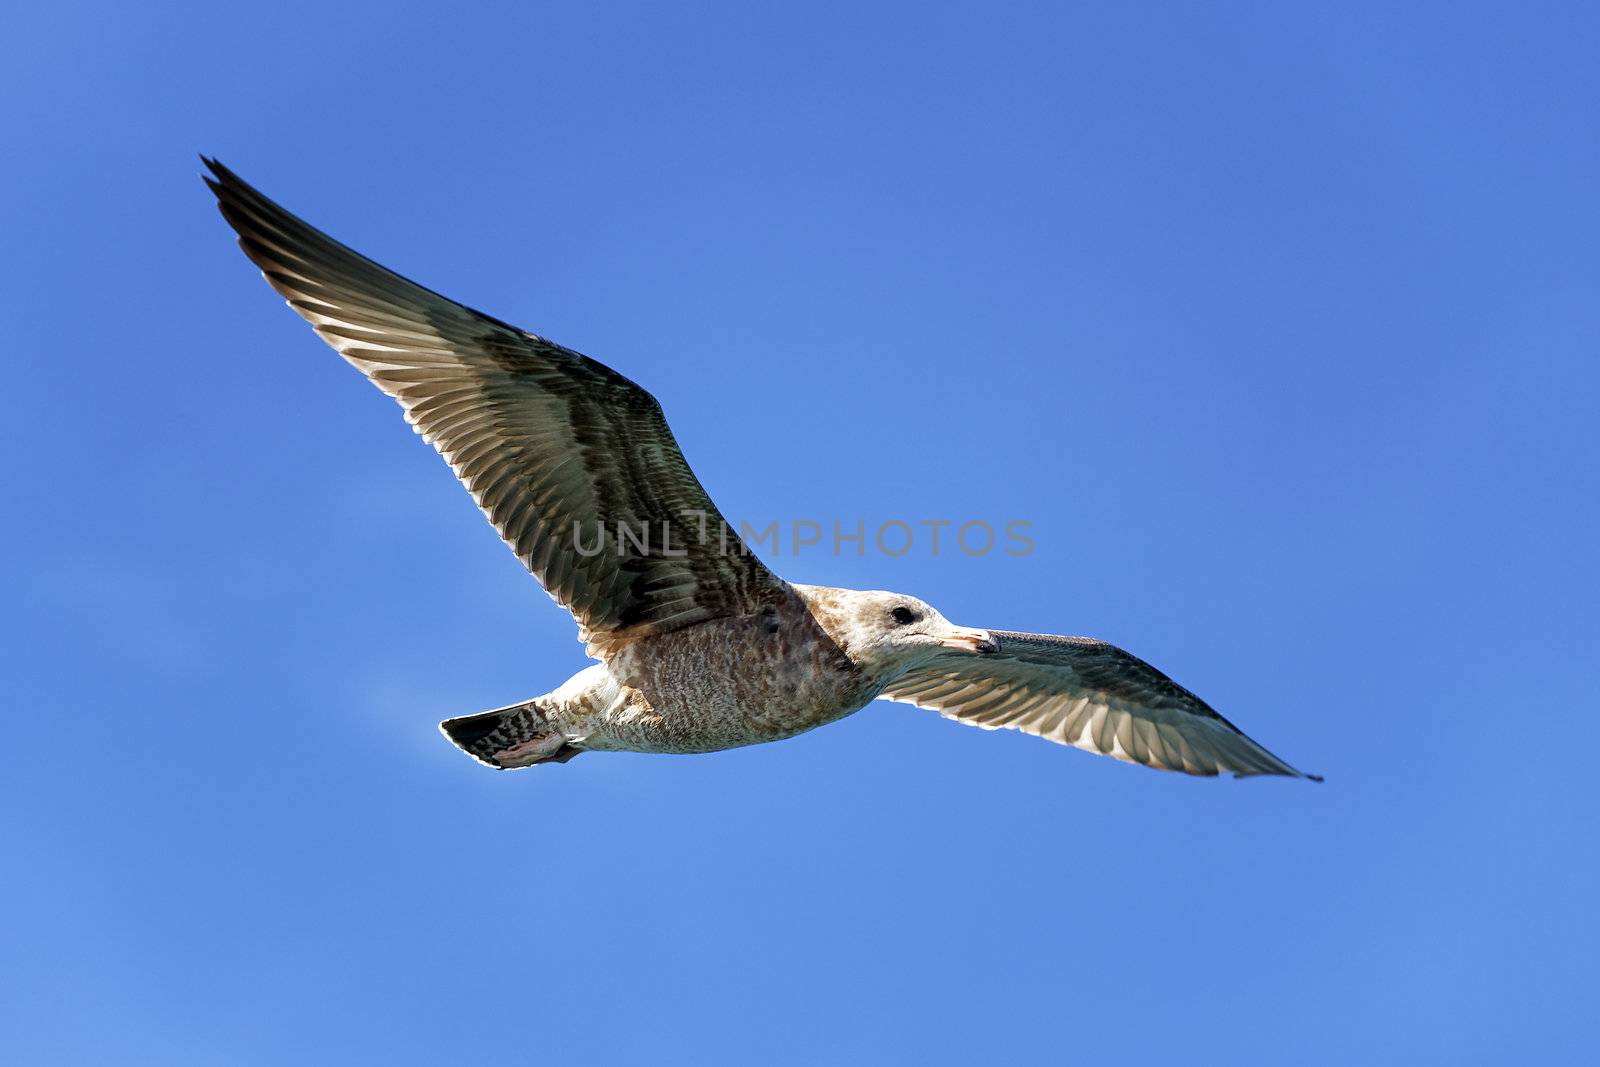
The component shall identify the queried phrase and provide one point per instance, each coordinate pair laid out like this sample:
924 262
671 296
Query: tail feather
516 736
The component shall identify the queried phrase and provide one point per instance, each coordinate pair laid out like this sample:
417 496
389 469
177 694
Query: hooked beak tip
963 640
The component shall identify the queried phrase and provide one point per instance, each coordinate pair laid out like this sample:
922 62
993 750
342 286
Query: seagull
698 646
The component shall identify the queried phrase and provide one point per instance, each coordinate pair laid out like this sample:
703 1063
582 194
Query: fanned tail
507 738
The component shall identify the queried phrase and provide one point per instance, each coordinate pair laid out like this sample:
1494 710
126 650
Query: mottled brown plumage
700 646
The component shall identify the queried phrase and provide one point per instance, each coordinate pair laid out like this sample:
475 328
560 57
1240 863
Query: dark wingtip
220 177
1314 777
219 174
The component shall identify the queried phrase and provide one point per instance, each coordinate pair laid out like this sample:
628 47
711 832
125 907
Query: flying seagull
699 647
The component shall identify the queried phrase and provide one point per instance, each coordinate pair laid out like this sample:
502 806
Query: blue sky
1278 322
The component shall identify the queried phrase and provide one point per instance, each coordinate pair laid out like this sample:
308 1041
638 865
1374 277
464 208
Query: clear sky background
1278 322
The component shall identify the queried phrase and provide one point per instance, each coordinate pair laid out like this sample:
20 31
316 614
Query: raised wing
572 462
1082 692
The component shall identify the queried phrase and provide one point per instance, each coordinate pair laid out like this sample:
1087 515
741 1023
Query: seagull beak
963 639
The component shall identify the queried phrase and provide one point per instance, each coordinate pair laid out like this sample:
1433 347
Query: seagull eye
903 616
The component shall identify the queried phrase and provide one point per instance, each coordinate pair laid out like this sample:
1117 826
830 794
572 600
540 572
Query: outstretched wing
572 462
1082 692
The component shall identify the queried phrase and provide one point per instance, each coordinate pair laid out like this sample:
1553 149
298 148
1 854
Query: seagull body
699 646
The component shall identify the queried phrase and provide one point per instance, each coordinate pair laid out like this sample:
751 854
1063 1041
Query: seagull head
891 630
